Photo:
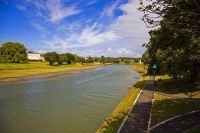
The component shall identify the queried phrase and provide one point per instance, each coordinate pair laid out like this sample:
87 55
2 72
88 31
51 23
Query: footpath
138 118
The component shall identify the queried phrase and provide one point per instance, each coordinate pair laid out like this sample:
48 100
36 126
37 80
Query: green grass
165 108
194 130
113 122
176 87
139 68
16 70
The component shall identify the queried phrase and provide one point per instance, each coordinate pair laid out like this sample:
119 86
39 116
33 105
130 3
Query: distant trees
13 52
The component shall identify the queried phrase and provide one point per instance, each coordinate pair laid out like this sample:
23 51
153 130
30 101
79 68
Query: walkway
138 118
179 124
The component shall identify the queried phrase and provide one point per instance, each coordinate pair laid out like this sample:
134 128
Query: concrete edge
132 107
163 122
149 123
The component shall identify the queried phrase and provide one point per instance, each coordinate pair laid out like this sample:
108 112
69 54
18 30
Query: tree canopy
175 45
52 57
13 52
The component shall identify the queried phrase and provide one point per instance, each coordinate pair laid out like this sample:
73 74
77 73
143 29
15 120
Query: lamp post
154 73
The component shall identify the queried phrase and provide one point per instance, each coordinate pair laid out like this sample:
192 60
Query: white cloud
87 37
39 27
130 24
91 2
58 12
123 37
109 9
124 51
22 8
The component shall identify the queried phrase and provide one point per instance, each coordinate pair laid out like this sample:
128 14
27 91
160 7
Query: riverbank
39 69
113 122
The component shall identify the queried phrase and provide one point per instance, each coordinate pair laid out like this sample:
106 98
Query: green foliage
12 52
102 59
89 60
127 61
62 58
70 58
116 60
175 46
52 57
165 108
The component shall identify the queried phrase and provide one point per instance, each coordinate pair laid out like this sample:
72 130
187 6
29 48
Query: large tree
13 51
62 58
52 57
70 58
175 45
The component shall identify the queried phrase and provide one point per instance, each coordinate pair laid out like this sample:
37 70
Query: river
75 103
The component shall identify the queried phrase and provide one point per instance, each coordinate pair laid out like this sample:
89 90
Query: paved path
137 120
178 124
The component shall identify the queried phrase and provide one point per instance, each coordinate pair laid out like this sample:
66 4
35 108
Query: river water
76 103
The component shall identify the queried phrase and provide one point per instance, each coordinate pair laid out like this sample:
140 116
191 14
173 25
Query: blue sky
85 27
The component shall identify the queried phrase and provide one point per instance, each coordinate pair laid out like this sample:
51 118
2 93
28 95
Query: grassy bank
177 88
195 130
14 70
113 122
165 108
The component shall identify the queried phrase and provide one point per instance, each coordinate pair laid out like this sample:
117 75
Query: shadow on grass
167 108
171 86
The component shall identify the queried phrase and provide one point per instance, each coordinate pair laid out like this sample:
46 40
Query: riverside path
138 118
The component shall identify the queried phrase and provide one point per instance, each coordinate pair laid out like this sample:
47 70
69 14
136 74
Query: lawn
165 108
194 130
176 87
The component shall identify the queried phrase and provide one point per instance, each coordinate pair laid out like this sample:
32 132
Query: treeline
175 46
15 52
69 58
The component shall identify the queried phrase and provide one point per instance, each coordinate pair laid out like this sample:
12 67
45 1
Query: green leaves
13 52
52 57
175 46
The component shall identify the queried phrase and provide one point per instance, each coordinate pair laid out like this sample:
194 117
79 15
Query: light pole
154 73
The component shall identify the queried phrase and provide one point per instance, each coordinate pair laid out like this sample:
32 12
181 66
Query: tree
172 46
52 57
13 51
116 60
90 60
102 59
70 58
62 58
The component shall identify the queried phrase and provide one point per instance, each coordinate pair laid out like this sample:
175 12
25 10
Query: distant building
34 56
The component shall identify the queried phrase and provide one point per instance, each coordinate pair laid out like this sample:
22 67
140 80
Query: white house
33 56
